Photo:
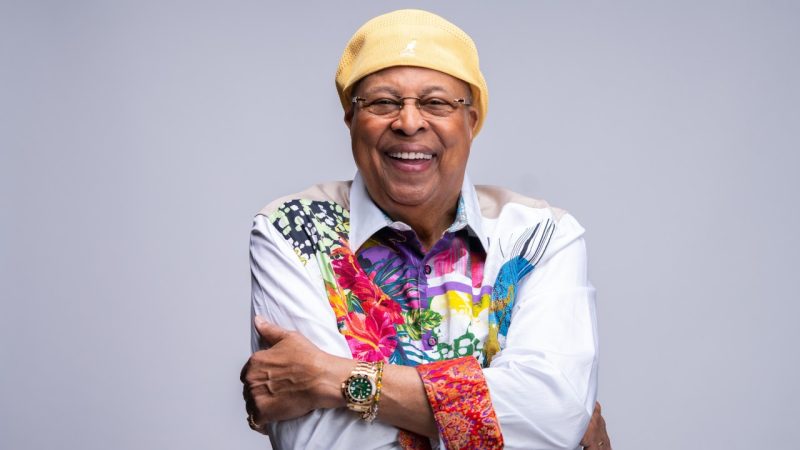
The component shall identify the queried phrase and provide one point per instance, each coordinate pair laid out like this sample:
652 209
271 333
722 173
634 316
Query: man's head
414 98
412 37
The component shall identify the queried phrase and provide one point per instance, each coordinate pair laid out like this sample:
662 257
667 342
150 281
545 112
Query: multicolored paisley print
459 397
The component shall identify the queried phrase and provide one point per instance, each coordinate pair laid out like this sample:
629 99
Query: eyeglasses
430 107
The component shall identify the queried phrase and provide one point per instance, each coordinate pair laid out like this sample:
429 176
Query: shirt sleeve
543 384
288 293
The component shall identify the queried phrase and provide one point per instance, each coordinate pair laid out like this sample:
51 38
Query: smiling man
425 312
411 146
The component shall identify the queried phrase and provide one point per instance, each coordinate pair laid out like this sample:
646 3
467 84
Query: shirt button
432 341
427 269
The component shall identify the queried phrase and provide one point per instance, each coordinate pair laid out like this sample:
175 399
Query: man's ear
348 116
473 122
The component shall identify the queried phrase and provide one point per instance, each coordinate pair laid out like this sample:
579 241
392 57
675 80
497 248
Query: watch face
360 388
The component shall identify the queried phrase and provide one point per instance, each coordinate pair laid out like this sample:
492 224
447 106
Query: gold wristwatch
360 387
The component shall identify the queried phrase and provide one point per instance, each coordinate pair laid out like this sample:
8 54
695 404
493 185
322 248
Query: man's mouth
410 155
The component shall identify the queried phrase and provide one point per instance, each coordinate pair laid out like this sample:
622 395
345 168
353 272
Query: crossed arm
293 388
294 377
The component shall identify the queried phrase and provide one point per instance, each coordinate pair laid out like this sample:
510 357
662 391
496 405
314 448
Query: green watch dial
360 389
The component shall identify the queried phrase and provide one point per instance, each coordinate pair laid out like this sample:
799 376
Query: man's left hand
596 437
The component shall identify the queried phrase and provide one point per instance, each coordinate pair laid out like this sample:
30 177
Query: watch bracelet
370 414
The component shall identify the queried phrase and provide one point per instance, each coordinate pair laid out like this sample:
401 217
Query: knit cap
412 37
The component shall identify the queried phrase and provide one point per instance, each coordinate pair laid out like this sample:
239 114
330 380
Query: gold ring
253 425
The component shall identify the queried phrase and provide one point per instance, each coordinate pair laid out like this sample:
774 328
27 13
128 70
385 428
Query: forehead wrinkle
431 89
396 93
383 88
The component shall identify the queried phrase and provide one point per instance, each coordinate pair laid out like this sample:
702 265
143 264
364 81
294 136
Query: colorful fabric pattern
395 303
459 397
412 441
392 302
528 250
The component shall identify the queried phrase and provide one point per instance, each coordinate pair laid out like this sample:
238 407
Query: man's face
411 163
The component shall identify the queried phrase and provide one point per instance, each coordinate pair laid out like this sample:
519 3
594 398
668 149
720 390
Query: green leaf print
353 303
417 322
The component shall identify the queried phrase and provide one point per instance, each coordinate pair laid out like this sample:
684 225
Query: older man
438 313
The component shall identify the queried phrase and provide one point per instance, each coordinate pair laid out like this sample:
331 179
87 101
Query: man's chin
410 197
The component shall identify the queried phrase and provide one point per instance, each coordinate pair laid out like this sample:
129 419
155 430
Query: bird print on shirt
526 253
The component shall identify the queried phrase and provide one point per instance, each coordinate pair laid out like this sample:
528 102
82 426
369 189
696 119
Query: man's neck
427 224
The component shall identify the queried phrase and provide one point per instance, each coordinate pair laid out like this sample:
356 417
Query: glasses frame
417 102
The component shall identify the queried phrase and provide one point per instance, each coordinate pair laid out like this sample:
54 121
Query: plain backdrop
138 138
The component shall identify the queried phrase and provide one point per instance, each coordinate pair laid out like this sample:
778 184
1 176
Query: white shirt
543 382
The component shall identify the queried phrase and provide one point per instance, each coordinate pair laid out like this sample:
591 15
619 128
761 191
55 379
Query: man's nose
410 120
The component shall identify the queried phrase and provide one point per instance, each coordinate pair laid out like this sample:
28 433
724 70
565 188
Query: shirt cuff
412 441
462 407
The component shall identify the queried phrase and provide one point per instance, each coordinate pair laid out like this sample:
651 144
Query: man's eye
384 102
435 102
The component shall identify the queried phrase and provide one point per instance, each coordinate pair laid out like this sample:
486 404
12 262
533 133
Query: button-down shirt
505 286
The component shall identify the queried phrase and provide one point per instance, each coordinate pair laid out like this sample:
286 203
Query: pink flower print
351 276
371 336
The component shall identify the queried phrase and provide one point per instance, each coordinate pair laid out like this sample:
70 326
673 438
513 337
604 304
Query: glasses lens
431 107
437 107
384 106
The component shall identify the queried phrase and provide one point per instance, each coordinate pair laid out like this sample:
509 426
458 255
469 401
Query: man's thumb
270 333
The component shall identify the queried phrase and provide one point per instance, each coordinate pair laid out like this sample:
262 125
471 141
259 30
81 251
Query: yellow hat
411 37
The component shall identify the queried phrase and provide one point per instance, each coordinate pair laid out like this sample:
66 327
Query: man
440 314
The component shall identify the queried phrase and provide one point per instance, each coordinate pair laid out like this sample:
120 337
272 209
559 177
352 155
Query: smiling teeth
411 155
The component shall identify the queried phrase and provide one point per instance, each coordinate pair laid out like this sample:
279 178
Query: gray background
138 139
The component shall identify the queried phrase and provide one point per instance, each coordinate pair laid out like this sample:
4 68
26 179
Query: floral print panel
392 301
395 303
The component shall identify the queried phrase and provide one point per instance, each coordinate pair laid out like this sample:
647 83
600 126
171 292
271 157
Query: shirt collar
367 219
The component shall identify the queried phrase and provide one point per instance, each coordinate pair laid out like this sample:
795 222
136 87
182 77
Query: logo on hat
409 50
